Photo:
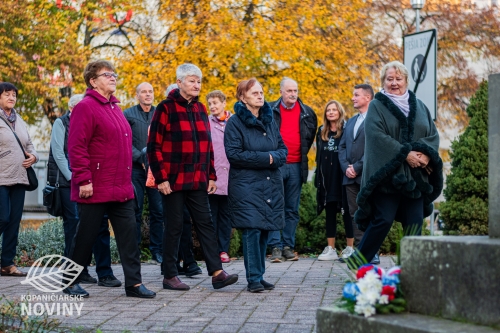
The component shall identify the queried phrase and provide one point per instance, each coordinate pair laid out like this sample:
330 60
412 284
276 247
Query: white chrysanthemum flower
366 310
384 299
371 277
370 282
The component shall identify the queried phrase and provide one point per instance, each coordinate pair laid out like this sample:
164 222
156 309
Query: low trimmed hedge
48 239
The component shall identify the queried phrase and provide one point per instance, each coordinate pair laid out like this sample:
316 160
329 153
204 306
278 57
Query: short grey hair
399 67
185 70
283 80
74 100
170 88
138 88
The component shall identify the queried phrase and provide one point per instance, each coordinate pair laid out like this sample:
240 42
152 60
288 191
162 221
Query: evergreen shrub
465 211
48 239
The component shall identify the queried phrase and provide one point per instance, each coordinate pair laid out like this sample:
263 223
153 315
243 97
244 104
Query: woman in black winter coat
255 151
330 192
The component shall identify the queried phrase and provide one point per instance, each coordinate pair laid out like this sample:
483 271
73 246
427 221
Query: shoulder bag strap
17 138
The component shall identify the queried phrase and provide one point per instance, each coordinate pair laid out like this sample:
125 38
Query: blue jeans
386 209
221 220
292 185
11 212
101 250
155 211
254 253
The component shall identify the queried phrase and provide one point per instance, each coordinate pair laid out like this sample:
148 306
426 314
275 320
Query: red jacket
100 150
180 144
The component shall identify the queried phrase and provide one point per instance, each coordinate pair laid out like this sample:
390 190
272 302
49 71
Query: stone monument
451 283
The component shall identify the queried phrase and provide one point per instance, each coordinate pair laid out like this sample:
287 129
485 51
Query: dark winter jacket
390 136
52 168
308 125
255 186
100 150
352 150
180 147
328 177
139 122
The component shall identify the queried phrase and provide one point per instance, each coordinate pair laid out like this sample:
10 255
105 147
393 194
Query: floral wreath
375 291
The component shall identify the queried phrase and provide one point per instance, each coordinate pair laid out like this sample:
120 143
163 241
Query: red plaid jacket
180 144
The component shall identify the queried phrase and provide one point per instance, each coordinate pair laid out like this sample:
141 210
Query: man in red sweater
297 123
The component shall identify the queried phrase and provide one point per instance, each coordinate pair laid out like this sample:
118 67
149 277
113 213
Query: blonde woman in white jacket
13 175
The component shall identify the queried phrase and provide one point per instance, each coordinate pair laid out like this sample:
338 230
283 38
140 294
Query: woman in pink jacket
218 201
100 158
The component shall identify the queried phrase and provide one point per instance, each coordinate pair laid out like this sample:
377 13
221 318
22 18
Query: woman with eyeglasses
100 158
328 180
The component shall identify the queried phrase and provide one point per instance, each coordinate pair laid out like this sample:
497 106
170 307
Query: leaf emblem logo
49 277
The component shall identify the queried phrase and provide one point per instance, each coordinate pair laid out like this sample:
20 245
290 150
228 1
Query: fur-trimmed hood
265 114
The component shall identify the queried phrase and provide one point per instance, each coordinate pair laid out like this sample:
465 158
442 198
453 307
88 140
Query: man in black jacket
139 117
351 154
297 123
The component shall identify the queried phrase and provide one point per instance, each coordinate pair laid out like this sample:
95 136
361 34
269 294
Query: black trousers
222 220
386 208
351 191
122 217
199 209
186 245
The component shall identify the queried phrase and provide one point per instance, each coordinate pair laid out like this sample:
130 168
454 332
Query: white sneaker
347 252
329 253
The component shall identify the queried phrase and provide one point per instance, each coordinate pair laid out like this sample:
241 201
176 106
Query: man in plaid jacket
181 159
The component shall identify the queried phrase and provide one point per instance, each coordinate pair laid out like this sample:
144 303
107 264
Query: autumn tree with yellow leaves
327 46
320 44
46 44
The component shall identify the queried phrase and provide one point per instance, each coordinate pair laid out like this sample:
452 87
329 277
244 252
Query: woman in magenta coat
100 158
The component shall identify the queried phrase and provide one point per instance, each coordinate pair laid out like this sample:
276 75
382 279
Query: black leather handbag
32 178
52 198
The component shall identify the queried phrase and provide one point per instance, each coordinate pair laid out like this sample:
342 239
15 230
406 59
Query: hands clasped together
419 160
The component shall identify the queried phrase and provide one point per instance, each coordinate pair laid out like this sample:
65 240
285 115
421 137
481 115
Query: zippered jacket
12 171
256 197
139 122
220 159
179 146
100 150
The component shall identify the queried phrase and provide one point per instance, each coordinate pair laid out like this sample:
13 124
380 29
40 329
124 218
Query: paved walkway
301 287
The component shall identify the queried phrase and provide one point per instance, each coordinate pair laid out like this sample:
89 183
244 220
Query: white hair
283 80
170 88
185 70
74 100
398 66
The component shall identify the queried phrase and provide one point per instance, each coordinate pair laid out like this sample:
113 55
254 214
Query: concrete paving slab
301 287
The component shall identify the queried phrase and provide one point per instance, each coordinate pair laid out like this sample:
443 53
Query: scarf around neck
11 118
223 117
401 101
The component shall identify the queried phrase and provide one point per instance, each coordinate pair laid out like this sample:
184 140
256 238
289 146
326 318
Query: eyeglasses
108 75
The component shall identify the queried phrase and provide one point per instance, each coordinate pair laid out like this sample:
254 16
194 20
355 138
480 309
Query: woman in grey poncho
402 172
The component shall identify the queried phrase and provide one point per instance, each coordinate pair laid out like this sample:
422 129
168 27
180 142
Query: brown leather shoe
223 280
12 271
174 284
